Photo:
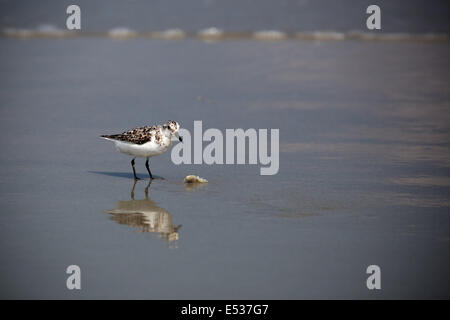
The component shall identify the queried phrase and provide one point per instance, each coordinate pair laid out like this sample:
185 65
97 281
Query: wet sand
363 179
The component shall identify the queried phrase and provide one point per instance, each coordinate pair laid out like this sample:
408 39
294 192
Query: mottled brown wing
138 135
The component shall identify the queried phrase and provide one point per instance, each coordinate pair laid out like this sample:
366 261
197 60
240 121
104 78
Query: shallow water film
364 165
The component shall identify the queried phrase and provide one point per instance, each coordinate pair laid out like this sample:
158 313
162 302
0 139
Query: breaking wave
213 33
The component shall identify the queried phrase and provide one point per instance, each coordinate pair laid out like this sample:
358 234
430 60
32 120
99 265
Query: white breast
146 150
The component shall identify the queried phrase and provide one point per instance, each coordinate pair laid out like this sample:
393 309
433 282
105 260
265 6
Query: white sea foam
215 34
320 35
45 30
271 35
210 33
50 30
122 33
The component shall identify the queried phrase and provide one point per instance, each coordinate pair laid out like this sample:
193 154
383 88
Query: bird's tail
108 137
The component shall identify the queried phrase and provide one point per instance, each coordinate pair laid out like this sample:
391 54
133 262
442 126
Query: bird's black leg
134 170
148 169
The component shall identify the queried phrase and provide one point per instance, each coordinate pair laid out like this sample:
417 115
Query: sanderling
145 142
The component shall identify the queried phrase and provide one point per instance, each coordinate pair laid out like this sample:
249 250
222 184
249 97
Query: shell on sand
194 179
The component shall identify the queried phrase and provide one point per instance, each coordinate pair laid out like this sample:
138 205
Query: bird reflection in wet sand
146 216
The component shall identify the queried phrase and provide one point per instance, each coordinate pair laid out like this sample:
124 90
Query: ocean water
363 179
410 16
364 175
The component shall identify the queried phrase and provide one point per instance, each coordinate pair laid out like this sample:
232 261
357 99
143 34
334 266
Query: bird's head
171 128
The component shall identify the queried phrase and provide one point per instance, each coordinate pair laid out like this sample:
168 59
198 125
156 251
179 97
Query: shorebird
145 142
